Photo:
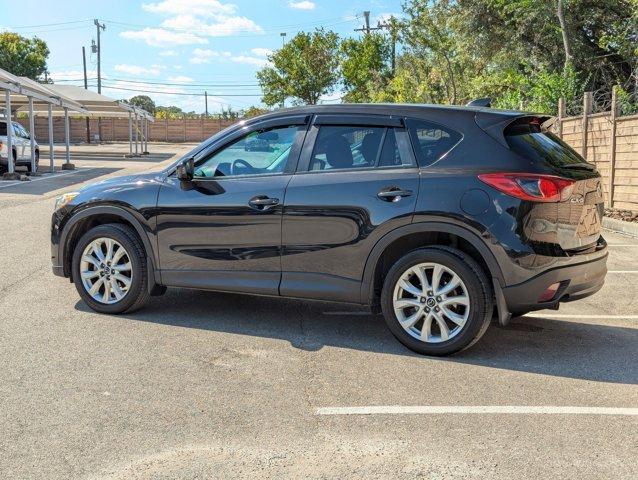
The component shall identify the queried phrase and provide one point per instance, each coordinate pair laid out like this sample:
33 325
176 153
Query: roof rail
480 102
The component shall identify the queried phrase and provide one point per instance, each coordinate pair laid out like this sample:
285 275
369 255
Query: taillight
530 186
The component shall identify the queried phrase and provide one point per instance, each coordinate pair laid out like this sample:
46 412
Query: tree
168 112
21 56
143 101
304 69
364 66
253 111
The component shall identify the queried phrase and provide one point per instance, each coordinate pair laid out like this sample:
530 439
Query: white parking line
49 177
622 271
584 317
622 245
478 409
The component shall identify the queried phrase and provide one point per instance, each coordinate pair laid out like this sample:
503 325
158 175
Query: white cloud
180 79
260 62
205 55
203 8
168 53
302 5
220 26
73 75
261 52
160 37
137 70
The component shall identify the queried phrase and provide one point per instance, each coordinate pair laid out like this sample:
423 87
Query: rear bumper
576 282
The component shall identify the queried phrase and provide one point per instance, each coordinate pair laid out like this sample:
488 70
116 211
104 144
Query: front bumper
576 282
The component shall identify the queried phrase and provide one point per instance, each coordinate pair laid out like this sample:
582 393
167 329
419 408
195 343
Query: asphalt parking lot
209 385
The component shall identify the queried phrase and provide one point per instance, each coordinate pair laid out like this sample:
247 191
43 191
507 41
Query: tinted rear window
528 140
3 128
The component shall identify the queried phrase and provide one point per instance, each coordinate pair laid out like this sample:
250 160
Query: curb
620 226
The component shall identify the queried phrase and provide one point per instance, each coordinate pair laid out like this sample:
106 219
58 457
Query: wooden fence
116 129
611 143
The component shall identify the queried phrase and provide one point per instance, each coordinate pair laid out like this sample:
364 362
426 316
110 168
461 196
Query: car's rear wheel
109 269
437 301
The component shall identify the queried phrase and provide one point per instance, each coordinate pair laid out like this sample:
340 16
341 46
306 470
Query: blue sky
173 48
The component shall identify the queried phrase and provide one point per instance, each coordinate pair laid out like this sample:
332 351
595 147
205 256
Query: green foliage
364 66
21 56
253 111
303 70
168 112
143 101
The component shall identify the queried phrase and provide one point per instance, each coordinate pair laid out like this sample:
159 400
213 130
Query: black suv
439 217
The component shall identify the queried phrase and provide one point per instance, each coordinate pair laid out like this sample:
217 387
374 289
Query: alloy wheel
106 270
431 302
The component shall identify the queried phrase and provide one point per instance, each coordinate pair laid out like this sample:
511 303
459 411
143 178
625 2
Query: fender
367 284
153 271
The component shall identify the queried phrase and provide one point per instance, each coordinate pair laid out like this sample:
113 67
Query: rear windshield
527 139
3 128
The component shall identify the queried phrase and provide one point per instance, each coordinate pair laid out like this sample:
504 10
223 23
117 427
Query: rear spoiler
494 122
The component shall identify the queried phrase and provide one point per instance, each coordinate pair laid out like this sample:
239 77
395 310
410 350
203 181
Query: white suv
21 146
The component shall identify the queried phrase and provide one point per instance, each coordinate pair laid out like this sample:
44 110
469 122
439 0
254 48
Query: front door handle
262 202
393 194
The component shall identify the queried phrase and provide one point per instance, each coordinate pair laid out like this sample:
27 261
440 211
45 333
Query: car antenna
480 102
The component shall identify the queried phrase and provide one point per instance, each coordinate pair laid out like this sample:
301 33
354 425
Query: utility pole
206 103
366 27
99 26
283 38
86 87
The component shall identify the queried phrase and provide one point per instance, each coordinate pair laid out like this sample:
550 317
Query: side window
431 141
17 130
347 147
259 152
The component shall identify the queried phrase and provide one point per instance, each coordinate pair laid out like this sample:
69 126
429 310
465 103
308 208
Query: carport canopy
98 105
24 94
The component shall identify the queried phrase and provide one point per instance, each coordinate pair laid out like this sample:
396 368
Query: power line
51 24
174 84
193 94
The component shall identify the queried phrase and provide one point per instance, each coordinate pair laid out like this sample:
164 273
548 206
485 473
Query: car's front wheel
437 301
109 269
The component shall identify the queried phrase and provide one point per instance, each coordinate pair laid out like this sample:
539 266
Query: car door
18 140
357 180
222 231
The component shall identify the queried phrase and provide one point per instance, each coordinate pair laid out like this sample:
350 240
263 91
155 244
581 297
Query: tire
136 293
470 285
37 162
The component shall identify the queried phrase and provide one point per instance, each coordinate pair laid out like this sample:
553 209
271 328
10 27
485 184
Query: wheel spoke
412 319
106 298
458 300
97 251
109 250
423 279
117 291
118 255
125 267
408 287
96 287
451 285
125 280
88 274
445 331
426 329
437 271
454 317
405 303
91 260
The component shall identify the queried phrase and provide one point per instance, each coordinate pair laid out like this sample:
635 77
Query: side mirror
186 170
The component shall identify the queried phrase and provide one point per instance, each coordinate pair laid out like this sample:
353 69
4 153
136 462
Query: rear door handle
393 194
262 202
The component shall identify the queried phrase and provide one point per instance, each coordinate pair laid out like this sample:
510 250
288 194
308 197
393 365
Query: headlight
64 199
